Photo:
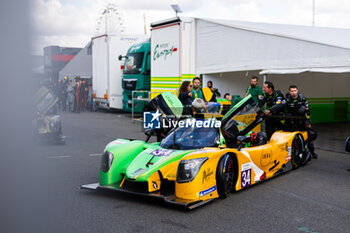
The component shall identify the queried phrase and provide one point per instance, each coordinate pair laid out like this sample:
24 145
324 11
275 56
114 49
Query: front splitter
171 199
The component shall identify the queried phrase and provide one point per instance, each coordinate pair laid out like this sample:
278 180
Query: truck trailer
107 68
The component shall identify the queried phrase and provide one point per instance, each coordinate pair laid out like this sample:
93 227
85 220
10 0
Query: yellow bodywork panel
154 182
205 178
254 164
169 171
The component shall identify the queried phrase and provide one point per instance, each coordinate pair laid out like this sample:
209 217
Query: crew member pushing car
274 101
297 105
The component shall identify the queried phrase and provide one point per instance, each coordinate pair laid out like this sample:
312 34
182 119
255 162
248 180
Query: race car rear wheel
298 151
225 175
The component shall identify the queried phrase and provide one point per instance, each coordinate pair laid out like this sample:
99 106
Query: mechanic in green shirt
197 92
254 89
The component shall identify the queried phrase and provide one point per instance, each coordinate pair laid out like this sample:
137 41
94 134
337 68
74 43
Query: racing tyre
298 151
225 175
347 144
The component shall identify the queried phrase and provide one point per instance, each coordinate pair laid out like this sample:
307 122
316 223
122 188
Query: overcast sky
72 23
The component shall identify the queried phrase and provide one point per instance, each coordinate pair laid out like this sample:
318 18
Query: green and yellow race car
199 160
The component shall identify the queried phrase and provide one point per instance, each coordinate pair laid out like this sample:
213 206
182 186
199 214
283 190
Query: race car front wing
167 198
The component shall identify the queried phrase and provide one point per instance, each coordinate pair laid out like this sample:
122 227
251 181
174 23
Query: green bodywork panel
123 154
137 160
173 103
137 170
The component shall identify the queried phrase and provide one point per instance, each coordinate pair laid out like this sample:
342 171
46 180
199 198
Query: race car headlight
188 169
106 161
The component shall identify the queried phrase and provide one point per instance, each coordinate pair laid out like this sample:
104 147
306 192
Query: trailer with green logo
172 54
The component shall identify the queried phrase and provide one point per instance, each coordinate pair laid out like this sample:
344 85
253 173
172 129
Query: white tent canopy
80 65
229 46
336 70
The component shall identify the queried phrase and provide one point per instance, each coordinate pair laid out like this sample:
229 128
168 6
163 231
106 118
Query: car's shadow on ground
139 199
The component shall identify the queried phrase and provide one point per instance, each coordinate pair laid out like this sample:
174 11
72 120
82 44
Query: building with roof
80 65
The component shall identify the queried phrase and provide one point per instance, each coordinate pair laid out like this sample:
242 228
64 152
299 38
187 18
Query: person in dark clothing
185 96
215 91
70 96
274 101
77 95
58 92
82 95
64 93
297 105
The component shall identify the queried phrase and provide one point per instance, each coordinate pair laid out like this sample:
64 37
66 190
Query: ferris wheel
110 20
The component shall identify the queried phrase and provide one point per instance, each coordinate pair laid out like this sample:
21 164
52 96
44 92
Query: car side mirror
121 57
149 133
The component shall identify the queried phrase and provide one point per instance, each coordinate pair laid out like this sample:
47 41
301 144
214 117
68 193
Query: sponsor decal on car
161 152
246 175
155 186
265 159
206 175
206 192
258 172
288 158
284 147
138 172
289 149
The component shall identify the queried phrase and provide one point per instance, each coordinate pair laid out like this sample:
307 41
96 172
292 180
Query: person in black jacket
185 96
274 101
215 91
297 105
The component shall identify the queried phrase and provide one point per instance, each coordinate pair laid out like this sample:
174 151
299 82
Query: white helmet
198 103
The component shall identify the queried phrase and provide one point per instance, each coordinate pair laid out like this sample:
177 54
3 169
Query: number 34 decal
245 175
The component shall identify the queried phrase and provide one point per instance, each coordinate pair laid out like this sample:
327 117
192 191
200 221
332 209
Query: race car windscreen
186 138
133 63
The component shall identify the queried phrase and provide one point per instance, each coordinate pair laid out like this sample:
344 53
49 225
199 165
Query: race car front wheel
225 175
298 151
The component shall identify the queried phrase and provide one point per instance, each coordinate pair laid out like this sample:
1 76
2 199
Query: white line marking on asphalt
59 157
95 154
